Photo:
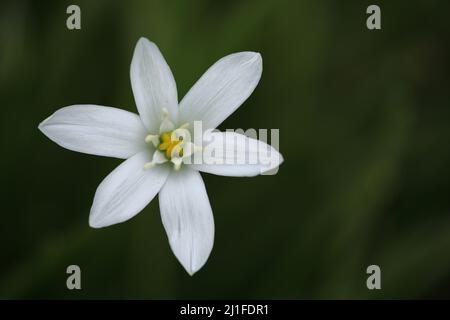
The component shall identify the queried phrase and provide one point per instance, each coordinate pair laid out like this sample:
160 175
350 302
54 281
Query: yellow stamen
169 145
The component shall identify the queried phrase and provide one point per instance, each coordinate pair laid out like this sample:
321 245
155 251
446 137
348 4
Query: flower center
170 145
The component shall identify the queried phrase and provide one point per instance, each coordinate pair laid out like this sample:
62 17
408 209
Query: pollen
170 145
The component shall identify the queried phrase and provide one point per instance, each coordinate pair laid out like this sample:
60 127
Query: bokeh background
364 129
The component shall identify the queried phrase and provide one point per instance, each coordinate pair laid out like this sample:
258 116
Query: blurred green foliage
364 130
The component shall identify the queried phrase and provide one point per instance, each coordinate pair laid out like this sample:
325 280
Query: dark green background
364 130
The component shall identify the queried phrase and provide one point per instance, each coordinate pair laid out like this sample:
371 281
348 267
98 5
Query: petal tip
43 123
143 42
191 273
258 58
274 165
191 270
95 224
95 220
281 159
254 56
193 266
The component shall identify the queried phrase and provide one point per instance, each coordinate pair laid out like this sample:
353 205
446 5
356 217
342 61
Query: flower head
158 148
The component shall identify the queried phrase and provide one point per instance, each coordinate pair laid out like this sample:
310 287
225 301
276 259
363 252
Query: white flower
155 152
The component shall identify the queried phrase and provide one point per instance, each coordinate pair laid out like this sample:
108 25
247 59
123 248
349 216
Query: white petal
126 191
153 85
187 217
103 131
233 154
222 89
